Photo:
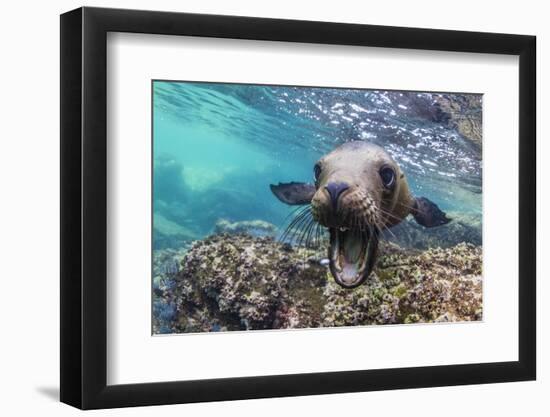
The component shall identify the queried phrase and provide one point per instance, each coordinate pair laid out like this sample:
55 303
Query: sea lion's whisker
303 231
322 234
406 206
317 235
296 210
310 235
389 231
287 230
300 225
310 232
297 217
382 226
291 227
303 214
301 211
316 238
388 214
290 234
300 232
383 211
310 229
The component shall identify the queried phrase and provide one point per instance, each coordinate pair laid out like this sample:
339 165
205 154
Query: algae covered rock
166 266
238 282
411 288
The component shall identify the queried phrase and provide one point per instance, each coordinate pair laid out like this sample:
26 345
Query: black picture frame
84 207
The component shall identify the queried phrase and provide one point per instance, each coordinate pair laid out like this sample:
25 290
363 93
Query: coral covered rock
238 282
166 266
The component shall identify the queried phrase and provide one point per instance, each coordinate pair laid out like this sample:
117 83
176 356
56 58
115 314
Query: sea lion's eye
317 171
388 176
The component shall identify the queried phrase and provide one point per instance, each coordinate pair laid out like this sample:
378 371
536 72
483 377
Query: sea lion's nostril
335 189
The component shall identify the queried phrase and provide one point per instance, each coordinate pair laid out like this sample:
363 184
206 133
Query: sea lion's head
358 186
359 191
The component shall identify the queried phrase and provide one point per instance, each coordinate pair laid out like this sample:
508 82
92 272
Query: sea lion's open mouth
352 255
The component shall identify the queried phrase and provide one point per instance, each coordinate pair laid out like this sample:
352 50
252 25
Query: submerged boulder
464 113
169 234
239 282
463 228
250 227
166 266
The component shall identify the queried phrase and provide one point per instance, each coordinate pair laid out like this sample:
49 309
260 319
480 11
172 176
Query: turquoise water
217 147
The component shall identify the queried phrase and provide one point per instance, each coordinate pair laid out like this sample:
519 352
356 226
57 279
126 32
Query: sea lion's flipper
427 213
293 193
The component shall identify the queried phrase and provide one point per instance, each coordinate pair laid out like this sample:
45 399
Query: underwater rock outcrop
166 266
463 228
250 227
460 112
463 113
239 282
169 234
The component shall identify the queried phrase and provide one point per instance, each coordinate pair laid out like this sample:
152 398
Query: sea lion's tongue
353 249
352 246
348 252
352 255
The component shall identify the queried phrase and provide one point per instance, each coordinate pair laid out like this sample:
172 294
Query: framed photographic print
257 207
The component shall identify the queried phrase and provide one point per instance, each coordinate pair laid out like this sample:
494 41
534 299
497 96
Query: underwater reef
241 282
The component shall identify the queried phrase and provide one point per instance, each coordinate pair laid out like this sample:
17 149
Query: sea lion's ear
427 213
293 193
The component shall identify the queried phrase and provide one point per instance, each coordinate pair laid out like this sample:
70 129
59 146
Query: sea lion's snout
335 189
334 203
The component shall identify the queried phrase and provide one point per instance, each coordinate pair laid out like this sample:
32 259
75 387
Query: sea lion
359 192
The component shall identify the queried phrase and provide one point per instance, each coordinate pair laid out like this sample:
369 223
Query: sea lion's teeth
324 262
